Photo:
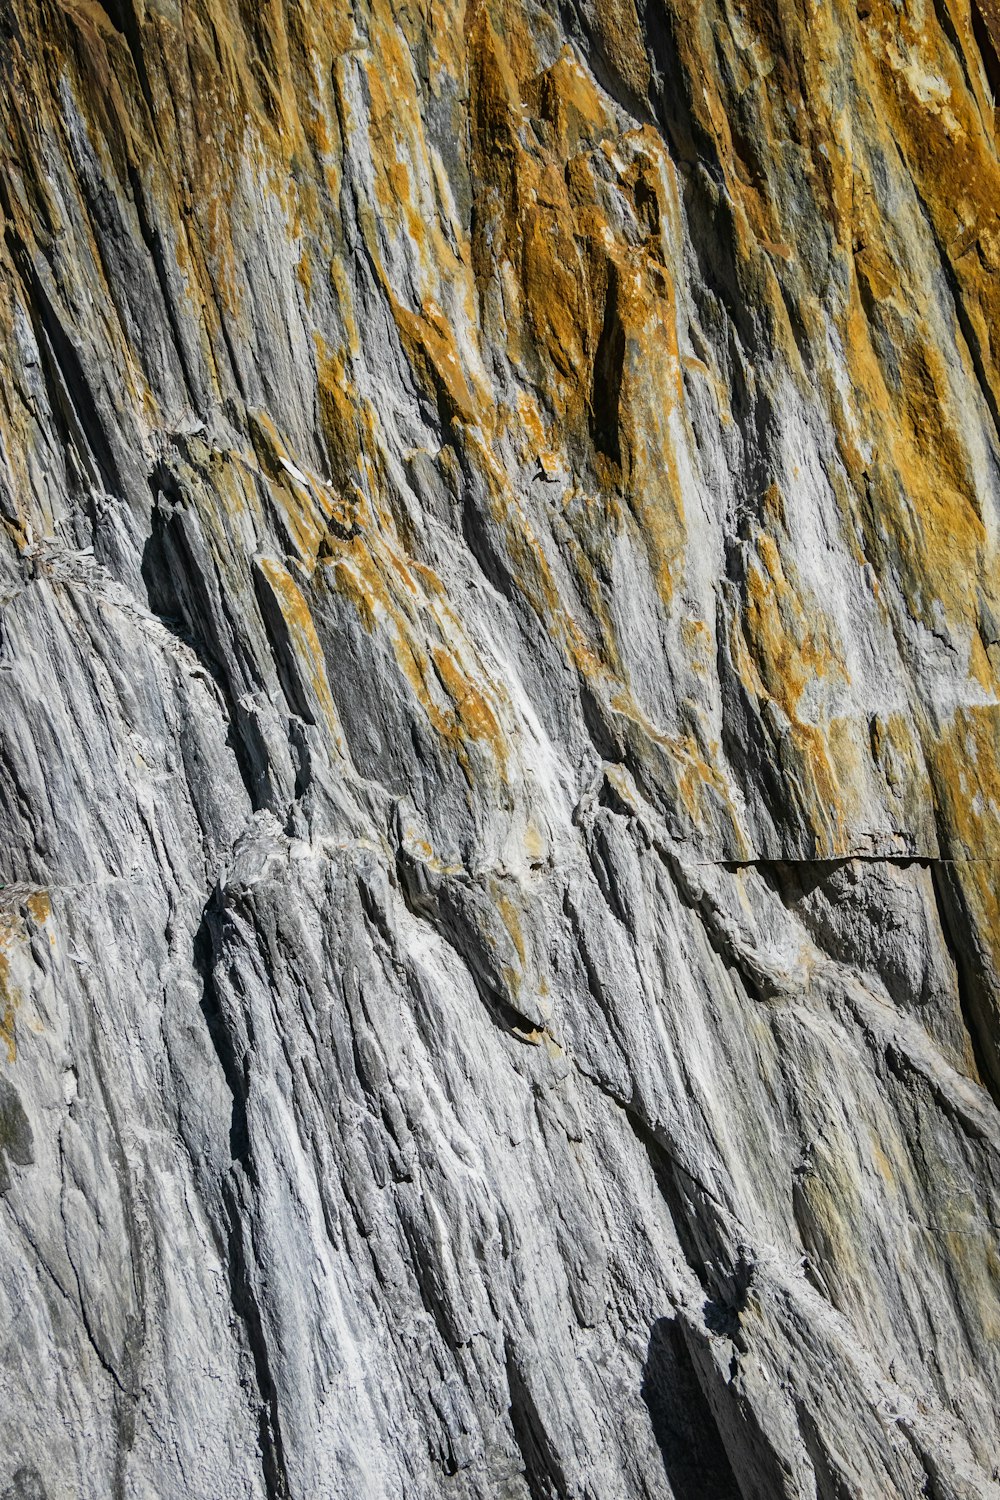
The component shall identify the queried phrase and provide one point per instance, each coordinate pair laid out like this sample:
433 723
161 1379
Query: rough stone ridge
499 749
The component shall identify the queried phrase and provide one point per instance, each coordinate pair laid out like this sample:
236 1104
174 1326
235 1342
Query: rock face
499 749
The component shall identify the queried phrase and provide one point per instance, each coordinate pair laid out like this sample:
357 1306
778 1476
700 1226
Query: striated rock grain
499 749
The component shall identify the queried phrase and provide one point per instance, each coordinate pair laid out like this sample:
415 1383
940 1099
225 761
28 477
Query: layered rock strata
499 776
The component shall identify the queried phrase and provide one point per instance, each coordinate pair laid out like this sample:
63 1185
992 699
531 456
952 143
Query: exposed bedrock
499 750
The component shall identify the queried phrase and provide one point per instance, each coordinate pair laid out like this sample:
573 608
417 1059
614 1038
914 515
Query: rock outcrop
499 749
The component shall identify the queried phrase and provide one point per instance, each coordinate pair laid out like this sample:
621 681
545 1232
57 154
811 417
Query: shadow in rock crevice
687 1434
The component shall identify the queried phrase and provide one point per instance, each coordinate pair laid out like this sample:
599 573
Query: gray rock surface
499 794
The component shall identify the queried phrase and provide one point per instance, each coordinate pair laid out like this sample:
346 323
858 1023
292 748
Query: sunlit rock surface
499 779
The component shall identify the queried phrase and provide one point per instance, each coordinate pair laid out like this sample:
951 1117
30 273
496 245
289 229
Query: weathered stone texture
499 749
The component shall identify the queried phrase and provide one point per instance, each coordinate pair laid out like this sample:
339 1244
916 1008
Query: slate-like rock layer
499 792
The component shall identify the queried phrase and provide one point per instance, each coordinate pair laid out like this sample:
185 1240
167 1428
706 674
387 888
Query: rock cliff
499 749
